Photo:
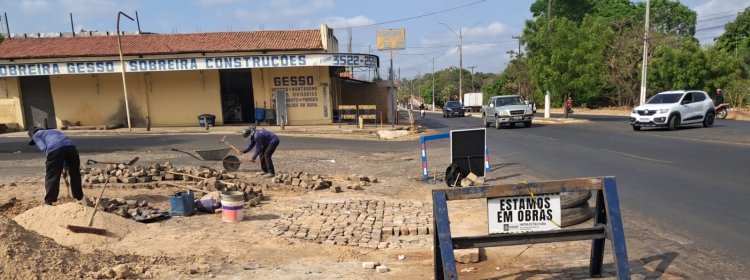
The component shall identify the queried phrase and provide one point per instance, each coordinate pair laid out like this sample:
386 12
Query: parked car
453 108
674 108
507 109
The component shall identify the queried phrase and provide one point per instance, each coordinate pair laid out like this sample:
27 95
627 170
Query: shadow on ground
637 267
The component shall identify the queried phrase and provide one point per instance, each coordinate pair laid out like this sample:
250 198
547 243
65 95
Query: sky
488 26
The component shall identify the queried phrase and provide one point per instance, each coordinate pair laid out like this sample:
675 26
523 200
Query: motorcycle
421 113
722 110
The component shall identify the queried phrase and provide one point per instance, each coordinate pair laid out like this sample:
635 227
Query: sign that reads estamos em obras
188 64
524 213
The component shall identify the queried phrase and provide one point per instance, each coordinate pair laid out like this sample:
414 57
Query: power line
421 16
724 12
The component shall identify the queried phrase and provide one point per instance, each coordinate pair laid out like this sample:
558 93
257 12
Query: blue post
445 262
615 230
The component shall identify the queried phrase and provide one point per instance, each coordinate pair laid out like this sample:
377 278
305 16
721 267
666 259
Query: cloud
214 3
342 22
291 8
89 8
494 29
35 6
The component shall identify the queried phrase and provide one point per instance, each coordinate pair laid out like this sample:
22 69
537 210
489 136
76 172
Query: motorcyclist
719 98
421 109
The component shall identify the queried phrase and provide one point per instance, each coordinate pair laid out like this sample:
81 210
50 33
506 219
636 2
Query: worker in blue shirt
61 153
266 142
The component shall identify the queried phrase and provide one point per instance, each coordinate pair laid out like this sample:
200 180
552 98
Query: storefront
173 78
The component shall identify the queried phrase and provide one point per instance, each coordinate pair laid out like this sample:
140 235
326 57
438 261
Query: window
665 98
688 98
698 96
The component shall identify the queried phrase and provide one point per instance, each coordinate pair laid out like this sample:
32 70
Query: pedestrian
719 97
569 104
61 155
265 143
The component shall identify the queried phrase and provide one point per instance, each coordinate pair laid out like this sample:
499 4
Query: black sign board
468 150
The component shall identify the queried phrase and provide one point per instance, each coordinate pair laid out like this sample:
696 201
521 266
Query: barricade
607 223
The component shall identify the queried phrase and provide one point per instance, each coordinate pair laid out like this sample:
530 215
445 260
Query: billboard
391 39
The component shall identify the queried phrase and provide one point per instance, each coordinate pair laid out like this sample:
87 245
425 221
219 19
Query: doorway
237 96
38 108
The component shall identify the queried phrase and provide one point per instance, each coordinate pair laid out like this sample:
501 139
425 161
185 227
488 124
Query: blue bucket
182 204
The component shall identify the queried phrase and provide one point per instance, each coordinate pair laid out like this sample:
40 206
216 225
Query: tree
574 10
669 16
736 37
569 59
679 67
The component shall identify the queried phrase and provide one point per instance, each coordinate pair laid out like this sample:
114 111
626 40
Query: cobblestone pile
305 181
140 174
364 223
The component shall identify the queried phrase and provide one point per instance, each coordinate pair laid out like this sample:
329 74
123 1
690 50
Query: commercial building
171 79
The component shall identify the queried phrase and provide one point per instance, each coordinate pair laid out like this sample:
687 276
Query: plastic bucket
232 204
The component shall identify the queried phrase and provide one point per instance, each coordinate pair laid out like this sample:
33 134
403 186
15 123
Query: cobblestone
374 224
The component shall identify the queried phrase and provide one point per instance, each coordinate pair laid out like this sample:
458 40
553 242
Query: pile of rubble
307 181
157 172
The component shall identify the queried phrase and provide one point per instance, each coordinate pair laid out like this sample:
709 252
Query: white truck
507 109
473 101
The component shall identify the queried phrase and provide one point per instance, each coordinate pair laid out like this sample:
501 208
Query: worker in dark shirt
266 142
60 152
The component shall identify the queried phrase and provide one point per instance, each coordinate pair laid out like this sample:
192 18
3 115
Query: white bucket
232 204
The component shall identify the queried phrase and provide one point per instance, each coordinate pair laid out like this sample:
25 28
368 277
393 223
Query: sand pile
52 222
26 255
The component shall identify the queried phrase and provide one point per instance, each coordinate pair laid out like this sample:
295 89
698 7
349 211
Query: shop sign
189 63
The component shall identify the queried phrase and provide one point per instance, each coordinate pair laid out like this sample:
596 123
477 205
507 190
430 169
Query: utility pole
644 69
460 59
433 84
519 45
472 77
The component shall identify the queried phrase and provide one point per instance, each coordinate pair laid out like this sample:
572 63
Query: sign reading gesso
524 213
188 63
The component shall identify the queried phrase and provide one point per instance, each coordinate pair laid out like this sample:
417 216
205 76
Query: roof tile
153 44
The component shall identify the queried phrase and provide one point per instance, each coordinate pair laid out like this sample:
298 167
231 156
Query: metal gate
38 108
281 110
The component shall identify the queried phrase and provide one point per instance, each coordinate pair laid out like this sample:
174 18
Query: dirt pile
27 255
52 222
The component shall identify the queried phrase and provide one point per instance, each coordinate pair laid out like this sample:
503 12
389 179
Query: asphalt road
694 180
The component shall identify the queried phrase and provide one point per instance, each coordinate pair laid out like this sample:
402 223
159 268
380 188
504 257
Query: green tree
668 16
568 59
574 10
679 67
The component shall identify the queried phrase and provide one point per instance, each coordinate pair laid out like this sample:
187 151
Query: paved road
694 180
16 148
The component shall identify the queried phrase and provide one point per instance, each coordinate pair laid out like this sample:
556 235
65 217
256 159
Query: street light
122 67
433 81
460 36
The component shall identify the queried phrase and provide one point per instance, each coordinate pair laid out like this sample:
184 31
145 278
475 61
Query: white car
674 108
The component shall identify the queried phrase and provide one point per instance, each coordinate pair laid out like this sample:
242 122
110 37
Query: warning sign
524 213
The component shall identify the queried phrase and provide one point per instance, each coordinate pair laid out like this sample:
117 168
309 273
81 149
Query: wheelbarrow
230 162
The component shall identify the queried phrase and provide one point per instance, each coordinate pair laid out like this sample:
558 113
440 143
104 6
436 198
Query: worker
61 154
265 143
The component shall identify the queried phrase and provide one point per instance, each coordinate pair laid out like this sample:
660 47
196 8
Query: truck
473 101
507 109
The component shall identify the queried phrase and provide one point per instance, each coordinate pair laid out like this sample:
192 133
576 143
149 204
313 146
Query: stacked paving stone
148 176
364 223
314 182
126 208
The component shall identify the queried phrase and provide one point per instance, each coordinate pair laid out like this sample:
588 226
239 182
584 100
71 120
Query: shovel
129 163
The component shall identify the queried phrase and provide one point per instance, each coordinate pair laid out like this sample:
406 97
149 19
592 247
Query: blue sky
485 45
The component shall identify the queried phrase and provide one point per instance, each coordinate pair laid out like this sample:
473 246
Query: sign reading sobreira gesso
188 63
524 213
